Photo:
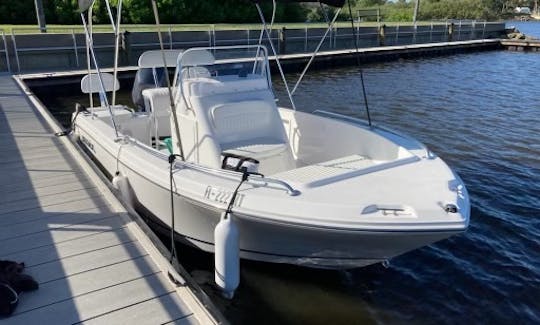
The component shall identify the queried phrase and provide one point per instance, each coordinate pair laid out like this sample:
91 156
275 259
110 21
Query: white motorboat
313 189
336 193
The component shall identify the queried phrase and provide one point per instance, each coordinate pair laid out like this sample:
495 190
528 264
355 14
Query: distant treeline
242 11
401 10
140 11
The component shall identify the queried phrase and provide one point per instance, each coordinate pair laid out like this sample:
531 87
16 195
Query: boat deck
92 261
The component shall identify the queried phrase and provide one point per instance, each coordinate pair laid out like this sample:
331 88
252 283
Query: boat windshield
223 63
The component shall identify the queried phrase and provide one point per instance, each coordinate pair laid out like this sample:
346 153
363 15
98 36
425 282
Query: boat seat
258 148
200 86
253 128
157 102
195 72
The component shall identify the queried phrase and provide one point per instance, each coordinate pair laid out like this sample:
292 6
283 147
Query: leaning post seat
91 83
157 103
152 73
234 114
251 128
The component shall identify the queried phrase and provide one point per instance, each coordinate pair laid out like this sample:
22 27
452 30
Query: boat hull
309 247
261 239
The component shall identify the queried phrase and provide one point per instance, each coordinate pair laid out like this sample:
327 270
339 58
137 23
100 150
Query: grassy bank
31 29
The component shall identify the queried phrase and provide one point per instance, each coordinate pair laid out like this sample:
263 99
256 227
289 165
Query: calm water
531 28
479 112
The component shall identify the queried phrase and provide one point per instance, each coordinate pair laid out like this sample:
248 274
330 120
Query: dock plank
93 264
66 185
91 304
12 156
137 314
85 262
45 201
28 177
38 213
43 182
65 289
81 245
47 223
56 236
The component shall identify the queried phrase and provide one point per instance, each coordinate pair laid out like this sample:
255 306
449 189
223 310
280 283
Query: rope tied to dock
173 259
68 131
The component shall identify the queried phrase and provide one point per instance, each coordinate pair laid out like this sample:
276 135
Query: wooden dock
324 59
93 262
521 45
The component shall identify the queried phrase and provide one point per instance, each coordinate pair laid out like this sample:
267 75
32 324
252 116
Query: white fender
227 255
121 183
115 181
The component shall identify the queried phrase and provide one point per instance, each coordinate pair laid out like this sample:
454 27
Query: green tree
17 12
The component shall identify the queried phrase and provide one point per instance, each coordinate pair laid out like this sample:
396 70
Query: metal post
358 33
381 35
484 31
473 29
75 49
172 103
116 49
431 33
101 84
40 14
330 39
6 51
335 36
397 35
248 37
315 52
415 28
108 6
282 40
416 8
16 51
306 39
170 38
89 42
459 31
214 35
276 57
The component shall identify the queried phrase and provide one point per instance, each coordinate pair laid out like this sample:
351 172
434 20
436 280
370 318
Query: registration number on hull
87 143
222 196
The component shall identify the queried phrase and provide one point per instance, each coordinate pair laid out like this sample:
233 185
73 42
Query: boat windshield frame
261 55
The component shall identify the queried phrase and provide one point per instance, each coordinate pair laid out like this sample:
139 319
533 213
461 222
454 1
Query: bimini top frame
335 3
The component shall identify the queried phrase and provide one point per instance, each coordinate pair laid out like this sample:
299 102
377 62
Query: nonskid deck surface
336 167
91 264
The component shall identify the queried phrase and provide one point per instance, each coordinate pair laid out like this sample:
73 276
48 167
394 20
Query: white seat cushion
200 87
157 101
256 148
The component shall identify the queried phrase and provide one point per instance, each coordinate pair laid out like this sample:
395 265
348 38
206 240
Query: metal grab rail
290 190
217 172
222 172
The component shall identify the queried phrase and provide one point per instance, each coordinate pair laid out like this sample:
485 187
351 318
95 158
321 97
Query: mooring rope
174 255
